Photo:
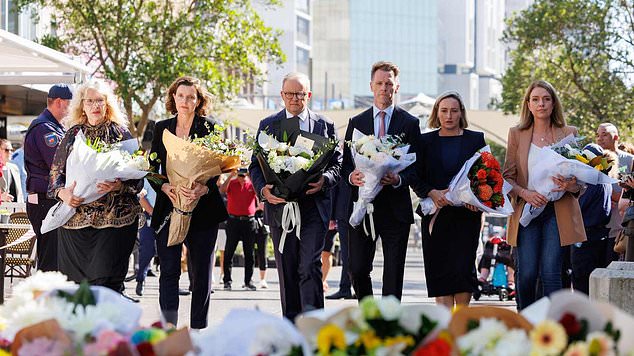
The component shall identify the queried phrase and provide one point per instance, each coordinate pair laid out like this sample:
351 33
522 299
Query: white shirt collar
388 111
302 115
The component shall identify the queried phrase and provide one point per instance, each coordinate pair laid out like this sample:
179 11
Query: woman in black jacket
188 100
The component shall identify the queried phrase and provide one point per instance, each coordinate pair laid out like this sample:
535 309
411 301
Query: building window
303 6
303 30
303 61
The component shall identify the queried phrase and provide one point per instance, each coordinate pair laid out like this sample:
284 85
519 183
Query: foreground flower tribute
47 315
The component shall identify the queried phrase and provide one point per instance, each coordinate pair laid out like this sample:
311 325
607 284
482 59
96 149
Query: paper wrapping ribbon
291 218
370 214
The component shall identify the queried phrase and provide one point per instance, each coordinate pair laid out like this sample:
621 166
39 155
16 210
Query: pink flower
106 341
43 346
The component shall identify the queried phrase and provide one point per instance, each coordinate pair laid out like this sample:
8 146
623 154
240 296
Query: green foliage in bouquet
216 141
83 296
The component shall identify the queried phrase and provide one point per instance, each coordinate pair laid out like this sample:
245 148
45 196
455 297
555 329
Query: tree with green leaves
585 49
143 45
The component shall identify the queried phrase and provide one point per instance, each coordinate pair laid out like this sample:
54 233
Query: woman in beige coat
539 252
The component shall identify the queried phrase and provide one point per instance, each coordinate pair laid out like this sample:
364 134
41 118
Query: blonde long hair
76 115
556 117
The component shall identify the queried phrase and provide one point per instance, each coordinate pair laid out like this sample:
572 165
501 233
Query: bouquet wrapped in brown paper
189 162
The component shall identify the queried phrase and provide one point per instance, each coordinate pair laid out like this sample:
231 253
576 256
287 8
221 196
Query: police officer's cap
61 91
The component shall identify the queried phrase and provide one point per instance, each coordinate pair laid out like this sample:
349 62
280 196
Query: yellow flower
548 338
4 353
330 336
599 167
406 340
582 159
578 348
369 340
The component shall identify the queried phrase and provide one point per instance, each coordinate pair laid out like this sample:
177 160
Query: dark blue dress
449 251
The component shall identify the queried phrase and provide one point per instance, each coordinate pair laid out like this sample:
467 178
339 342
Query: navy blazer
210 209
391 204
426 177
320 125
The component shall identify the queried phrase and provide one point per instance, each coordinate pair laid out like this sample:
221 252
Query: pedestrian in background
241 225
40 143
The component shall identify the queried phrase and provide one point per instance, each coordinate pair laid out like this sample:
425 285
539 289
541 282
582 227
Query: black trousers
361 250
587 256
260 250
99 256
240 230
46 243
343 227
299 267
200 245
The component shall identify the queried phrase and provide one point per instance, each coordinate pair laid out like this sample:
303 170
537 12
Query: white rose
390 307
368 149
294 164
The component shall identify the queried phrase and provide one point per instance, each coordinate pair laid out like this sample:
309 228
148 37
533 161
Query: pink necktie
381 124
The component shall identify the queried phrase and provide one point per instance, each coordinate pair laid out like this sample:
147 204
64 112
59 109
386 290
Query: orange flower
437 347
482 175
497 188
485 192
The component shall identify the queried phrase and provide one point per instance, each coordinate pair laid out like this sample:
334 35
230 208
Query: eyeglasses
93 102
299 95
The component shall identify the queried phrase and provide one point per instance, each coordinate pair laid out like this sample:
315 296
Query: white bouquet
88 166
98 309
289 168
375 157
251 332
479 175
552 163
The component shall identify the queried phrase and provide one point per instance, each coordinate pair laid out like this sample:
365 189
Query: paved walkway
267 300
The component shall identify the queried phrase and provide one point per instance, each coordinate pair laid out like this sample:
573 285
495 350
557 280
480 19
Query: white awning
26 62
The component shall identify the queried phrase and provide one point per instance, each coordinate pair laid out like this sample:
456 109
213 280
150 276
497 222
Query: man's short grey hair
609 127
300 77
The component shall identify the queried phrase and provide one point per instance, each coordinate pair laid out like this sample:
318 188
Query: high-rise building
294 20
471 55
351 35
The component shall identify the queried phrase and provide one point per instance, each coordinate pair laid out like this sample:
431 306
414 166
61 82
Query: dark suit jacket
391 204
319 125
427 177
210 209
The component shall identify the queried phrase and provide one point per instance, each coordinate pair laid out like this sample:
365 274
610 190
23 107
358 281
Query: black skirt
450 251
99 256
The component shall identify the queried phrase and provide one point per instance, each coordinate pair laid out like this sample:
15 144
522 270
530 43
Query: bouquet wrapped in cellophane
479 183
196 160
289 168
561 158
91 162
375 157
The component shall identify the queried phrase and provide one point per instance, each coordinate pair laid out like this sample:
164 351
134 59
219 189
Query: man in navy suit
393 213
299 266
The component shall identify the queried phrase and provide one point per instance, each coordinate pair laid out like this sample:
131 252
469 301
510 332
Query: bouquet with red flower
479 183
486 180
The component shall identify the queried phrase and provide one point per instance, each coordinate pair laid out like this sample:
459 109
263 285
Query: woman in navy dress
449 250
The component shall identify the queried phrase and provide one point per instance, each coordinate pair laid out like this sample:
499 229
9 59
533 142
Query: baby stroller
497 257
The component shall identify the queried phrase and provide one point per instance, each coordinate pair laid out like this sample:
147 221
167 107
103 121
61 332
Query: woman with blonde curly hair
96 243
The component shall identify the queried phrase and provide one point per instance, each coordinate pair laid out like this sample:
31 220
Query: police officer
42 138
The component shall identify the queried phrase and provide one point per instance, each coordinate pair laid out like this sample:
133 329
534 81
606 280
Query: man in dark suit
393 213
299 266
